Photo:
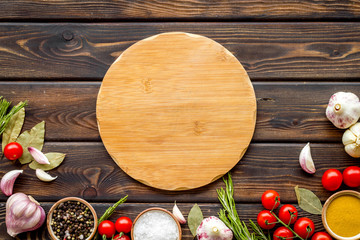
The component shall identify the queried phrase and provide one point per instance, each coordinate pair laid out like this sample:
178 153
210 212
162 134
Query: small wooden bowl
155 209
74 199
325 207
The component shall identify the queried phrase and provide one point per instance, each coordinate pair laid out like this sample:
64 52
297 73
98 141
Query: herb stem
110 211
5 118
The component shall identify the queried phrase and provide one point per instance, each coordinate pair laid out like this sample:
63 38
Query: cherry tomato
123 224
304 227
352 176
13 151
270 199
123 237
321 236
331 179
106 228
288 212
265 217
282 233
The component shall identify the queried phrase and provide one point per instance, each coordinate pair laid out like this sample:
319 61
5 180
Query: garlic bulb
212 228
306 161
8 180
343 109
351 140
178 215
23 214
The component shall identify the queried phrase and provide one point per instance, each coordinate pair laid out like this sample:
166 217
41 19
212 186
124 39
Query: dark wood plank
268 51
287 111
89 172
246 212
178 10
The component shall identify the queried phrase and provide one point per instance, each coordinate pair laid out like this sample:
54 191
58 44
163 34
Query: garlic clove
8 180
306 161
23 214
38 155
44 176
178 215
343 109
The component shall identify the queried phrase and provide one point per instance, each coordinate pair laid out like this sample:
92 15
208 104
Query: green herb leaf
13 128
54 158
33 138
195 217
308 201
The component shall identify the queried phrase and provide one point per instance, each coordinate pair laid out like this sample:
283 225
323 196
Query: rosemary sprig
110 211
256 229
5 118
229 213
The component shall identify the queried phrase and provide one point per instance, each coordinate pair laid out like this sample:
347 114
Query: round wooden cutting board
176 111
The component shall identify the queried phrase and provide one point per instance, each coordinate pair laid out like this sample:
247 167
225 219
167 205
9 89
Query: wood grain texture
90 173
155 119
246 212
179 10
287 111
268 51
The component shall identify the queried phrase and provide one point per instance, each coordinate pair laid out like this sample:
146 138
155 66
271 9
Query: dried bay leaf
195 217
13 128
308 201
54 158
33 138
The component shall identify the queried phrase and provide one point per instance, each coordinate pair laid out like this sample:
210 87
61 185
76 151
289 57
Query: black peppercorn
72 220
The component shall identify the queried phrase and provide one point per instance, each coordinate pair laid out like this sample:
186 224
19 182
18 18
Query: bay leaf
33 138
13 128
54 158
308 201
194 219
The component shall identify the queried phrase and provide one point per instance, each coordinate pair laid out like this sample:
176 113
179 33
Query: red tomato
13 151
321 236
264 218
123 224
123 237
270 199
288 212
106 228
331 179
282 233
352 176
304 227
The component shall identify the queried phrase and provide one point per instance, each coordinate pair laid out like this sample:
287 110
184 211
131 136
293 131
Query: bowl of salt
155 224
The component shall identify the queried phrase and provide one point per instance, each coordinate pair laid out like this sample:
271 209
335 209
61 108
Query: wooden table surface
297 53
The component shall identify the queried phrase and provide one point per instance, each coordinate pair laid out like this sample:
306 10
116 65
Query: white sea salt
156 225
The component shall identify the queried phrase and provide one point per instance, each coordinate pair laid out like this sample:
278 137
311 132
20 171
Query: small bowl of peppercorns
72 218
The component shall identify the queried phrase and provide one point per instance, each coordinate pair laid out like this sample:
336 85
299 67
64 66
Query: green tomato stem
287 226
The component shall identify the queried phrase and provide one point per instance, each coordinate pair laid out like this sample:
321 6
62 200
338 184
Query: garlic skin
343 109
351 140
8 180
23 214
38 156
178 215
306 161
212 228
44 176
